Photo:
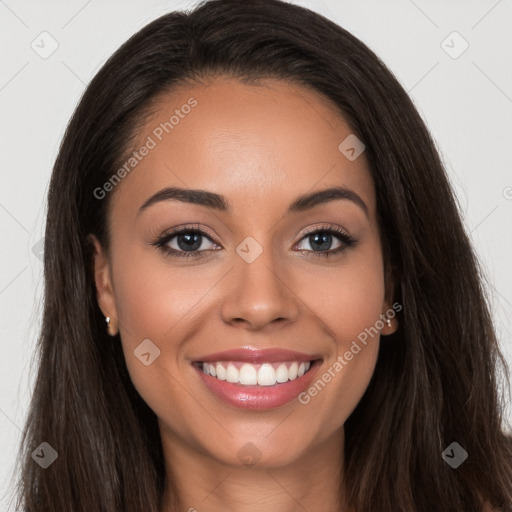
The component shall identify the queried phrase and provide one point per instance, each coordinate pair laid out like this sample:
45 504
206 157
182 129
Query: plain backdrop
453 57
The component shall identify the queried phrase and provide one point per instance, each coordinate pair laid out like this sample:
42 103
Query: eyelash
347 241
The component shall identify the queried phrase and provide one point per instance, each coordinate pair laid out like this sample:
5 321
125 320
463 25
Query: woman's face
256 278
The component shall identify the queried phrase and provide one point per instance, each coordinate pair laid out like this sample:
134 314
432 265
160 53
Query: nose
259 294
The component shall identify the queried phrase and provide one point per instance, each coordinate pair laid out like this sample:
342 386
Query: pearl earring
108 320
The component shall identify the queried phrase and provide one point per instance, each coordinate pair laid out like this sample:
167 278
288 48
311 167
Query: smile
257 379
247 374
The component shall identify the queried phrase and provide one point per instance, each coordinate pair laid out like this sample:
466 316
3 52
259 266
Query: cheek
349 298
154 303
154 297
349 305
163 304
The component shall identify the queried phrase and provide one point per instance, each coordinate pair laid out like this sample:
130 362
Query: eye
321 239
186 242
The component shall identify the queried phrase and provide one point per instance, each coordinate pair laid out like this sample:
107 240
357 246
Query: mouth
247 374
257 379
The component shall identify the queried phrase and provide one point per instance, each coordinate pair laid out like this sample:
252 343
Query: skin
261 146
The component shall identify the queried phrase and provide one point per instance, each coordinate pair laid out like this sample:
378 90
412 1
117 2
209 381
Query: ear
388 302
103 281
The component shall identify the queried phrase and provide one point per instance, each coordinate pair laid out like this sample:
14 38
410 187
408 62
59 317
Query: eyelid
187 228
324 227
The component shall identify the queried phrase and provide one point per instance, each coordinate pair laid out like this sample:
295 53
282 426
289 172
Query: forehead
260 146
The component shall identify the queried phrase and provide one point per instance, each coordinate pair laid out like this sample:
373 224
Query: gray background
465 98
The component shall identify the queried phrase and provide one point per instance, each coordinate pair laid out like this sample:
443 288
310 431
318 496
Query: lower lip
259 397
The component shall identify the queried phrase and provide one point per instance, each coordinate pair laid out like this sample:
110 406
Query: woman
259 292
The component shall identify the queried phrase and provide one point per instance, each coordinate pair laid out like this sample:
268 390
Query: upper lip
258 356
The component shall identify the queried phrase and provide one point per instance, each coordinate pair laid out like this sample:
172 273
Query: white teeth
282 373
265 374
221 371
292 372
232 374
248 375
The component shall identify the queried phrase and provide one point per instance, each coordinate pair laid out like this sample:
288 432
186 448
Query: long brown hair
436 379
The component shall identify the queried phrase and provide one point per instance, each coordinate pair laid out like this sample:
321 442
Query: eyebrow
220 203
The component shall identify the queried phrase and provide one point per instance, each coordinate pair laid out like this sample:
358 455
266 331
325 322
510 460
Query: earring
109 330
388 321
